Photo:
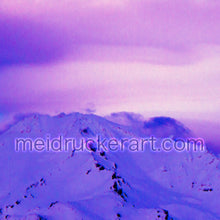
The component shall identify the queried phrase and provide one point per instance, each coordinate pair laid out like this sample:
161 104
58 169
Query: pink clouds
158 57
71 26
189 91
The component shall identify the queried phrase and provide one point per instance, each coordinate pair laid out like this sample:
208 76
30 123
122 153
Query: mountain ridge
103 185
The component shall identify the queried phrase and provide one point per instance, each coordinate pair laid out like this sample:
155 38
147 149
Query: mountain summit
105 184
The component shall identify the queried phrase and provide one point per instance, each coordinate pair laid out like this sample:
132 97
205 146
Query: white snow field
105 185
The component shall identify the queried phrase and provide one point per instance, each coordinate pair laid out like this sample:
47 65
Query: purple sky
156 57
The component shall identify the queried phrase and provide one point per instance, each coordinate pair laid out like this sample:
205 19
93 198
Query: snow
110 185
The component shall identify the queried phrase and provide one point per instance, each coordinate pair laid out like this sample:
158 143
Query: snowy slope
105 185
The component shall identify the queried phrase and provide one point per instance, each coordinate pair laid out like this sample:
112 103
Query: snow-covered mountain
104 184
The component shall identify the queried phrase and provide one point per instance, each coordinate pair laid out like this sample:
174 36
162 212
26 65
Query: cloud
153 57
25 41
156 126
177 91
126 118
166 127
40 32
90 108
